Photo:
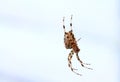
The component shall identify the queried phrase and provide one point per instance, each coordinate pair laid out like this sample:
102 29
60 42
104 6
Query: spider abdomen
75 48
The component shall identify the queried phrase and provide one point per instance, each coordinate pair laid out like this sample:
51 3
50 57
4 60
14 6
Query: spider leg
70 63
82 64
69 60
64 24
79 58
78 39
71 22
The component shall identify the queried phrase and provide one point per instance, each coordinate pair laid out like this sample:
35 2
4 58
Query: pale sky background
31 40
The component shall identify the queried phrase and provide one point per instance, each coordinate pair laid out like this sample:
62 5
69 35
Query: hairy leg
82 64
64 24
70 63
71 22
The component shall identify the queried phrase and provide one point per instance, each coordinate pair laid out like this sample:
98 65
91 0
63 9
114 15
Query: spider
71 43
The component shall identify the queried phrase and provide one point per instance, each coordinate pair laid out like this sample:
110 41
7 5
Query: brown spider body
71 43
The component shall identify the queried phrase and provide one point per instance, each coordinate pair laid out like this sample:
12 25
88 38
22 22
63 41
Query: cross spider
71 43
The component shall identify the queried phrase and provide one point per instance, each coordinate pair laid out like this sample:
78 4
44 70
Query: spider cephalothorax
71 43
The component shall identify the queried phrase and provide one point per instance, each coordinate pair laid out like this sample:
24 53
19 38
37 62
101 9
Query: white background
31 40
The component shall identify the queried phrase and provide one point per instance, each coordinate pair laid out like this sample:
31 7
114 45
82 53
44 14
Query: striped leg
70 63
71 22
82 64
64 24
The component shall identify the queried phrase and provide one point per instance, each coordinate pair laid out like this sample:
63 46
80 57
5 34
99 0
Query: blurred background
32 47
